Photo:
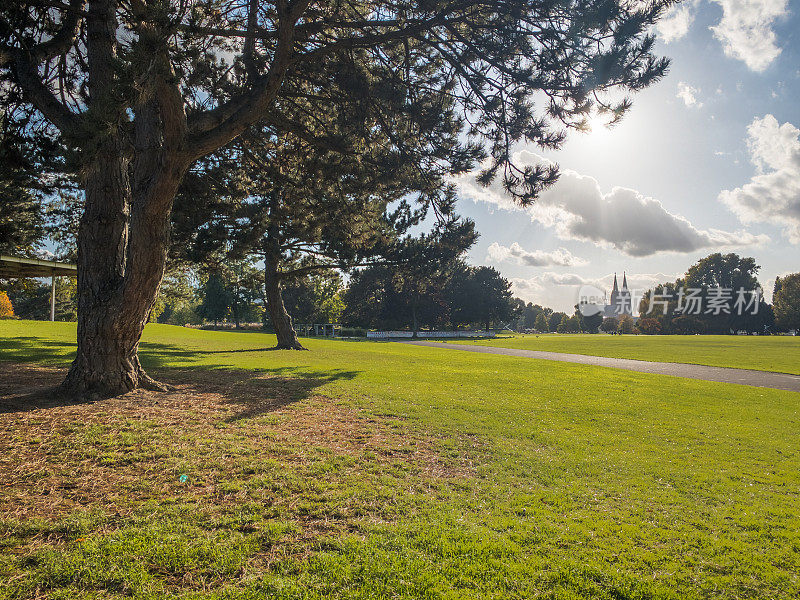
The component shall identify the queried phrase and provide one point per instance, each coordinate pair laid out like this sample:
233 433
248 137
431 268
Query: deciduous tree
541 323
6 308
626 324
648 326
786 302
610 324
554 320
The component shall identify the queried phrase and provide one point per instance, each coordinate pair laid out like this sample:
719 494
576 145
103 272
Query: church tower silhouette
621 303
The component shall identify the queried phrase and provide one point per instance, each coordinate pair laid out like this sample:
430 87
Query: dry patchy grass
220 438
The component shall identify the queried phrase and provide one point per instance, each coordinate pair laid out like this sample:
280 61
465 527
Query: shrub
6 309
648 326
352 332
625 324
609 324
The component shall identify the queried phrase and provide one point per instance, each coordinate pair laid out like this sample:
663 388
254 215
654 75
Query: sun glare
598 126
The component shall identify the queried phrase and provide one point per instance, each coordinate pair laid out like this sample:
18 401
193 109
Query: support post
53 297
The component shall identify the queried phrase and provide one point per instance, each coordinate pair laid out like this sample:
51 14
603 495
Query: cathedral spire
624 281
615 288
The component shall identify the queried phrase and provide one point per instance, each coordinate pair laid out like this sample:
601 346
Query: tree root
96 386
148 383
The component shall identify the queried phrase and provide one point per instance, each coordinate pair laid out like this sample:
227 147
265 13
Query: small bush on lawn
6 310
352 332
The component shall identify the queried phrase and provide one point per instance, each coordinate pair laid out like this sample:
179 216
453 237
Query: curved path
767 379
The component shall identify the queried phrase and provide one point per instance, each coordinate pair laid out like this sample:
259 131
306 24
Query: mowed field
383 470
765 353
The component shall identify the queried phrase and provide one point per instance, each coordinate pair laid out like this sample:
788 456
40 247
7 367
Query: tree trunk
281 321
236 319
122 250
109 323
414 325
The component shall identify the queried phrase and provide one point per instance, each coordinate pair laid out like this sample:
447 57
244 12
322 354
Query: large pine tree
301 209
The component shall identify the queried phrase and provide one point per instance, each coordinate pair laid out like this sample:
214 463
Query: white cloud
676 22
538 258
688 94
539 282
622 218
745 30
558 290
773 194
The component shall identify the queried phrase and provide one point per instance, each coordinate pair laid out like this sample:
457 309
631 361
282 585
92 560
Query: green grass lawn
765 353
382 470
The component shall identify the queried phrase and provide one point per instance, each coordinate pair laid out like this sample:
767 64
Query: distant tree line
456 295
720 284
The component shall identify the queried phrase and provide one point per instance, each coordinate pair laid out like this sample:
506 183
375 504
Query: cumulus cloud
676 22
688 94
773 194
745 30
538 258
532 287
622 218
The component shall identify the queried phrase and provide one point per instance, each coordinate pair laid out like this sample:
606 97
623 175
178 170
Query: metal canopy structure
15 266
12 267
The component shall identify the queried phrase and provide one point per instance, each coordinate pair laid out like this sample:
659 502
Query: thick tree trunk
122 247
281 321
108 329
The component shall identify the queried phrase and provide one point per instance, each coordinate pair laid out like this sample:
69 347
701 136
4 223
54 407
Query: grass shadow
35 349
270 349
25 388
253 393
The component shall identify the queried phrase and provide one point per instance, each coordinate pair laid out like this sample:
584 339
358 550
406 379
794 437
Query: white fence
318 329
385 335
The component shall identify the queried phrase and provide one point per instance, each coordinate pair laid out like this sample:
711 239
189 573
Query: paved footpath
767 379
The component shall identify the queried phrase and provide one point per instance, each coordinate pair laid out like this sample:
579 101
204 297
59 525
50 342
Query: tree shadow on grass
270 349
26 387
248 394
157 355
35 349
254 393
32 349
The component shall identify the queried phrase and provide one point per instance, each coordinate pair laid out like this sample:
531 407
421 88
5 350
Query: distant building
621 302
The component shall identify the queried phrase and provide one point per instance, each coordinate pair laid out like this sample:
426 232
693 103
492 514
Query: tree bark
115 294
281 321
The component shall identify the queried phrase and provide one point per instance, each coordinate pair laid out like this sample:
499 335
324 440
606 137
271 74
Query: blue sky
707 160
